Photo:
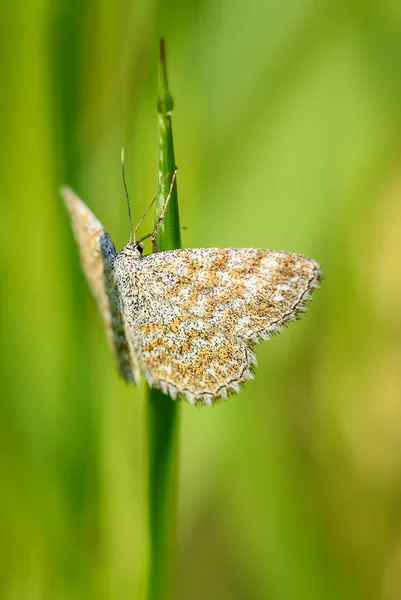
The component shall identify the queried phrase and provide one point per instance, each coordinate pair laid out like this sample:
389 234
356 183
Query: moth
189 319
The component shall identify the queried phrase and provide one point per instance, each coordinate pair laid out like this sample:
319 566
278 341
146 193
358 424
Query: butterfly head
134 249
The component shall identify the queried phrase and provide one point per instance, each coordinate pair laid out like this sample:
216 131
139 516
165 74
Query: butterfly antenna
127 196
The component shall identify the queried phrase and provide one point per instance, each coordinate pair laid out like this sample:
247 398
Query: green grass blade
162 412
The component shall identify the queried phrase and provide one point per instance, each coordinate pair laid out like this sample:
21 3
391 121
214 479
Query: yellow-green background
287 135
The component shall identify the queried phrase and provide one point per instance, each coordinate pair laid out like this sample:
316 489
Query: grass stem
162 412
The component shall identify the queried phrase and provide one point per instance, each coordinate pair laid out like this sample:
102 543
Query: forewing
246 294
97 254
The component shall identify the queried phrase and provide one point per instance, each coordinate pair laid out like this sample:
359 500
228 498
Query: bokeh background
287 135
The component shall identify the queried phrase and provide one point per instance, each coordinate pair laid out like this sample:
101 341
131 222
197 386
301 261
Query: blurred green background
287 136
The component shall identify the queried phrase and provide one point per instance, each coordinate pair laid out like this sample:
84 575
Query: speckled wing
200 311
183 355
247 294
97 254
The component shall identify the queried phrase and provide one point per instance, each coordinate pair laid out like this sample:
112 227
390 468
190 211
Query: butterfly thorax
124 264
125 260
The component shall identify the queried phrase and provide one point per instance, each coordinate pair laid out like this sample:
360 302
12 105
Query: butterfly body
188 319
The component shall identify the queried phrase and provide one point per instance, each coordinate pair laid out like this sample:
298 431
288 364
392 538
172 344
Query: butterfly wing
198 312
183 355
245 293
97 254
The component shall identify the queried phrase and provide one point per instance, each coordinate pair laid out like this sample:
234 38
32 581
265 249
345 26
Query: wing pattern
97 254
197 313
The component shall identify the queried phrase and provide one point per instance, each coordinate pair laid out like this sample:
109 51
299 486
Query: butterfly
189 319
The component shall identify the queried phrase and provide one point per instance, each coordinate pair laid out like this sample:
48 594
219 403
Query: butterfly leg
163 213
145 237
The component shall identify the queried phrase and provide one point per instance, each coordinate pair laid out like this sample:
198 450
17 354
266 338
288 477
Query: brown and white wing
247 294
97 254
183 355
